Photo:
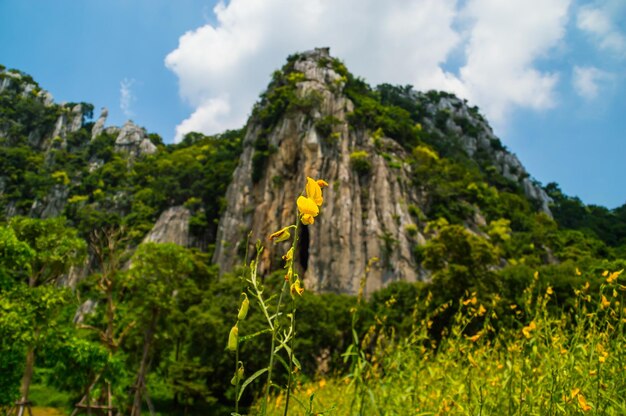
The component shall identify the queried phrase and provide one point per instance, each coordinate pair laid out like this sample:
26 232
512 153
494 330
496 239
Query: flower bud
280 235
233 338
243 310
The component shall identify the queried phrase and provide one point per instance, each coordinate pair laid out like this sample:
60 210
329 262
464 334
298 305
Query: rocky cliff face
475 135
370 206
363 216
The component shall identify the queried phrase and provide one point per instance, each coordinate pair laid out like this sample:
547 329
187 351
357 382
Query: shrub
360 162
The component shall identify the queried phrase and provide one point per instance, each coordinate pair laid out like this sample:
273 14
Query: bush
360 162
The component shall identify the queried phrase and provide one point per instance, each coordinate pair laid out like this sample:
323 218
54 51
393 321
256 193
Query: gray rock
53 204
171 227
98 126
76 118
134 141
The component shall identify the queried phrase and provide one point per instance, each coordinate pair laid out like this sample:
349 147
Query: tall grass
546 363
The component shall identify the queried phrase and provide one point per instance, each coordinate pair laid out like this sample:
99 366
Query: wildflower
475 338
481 310
613 276
296 288
289 255
322 183
472 300
243 310
578 273
549 290
280 235
308 209
604 303
527 329
605 273
313 191
233 338
583 403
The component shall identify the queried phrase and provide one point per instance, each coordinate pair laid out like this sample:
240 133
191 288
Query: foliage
546 361
360 162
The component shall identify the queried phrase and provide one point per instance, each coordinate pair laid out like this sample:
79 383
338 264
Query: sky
549 75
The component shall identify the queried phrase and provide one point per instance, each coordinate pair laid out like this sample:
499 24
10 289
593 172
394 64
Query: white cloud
127 97
223 67
586 81
505 40
597 21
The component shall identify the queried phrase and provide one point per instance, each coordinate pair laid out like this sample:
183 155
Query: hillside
121 256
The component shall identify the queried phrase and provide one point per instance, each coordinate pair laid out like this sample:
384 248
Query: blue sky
549 74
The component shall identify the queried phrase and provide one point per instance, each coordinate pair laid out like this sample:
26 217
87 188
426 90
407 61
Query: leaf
250 380
283 362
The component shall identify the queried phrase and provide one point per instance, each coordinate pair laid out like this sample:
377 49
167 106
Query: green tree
157 272
55 248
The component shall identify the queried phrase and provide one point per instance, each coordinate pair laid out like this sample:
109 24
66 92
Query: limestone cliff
364 215
374 205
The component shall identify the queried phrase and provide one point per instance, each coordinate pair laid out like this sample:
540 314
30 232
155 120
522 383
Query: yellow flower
475 338
583 403
296 288
613 276
481 310
308 208
289 255
549 290
604 303
280 235
527 329
313 191
578 273
322 183
605 273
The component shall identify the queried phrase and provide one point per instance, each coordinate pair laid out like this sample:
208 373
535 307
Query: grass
564 364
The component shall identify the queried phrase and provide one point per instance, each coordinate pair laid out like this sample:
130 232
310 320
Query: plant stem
294 246
271 364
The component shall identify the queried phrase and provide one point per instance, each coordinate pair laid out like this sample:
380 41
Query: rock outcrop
171 227
133 140
98 126
364 215
475 135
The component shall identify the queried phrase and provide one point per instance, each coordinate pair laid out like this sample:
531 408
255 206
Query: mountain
317 120
403 167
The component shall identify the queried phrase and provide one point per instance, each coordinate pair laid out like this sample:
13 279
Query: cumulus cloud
586 81
223 67
596 20
505 40
127 97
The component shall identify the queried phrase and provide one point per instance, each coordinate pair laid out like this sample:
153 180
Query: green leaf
250 380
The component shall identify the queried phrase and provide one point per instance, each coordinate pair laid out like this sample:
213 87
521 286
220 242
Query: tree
55 248
157 271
